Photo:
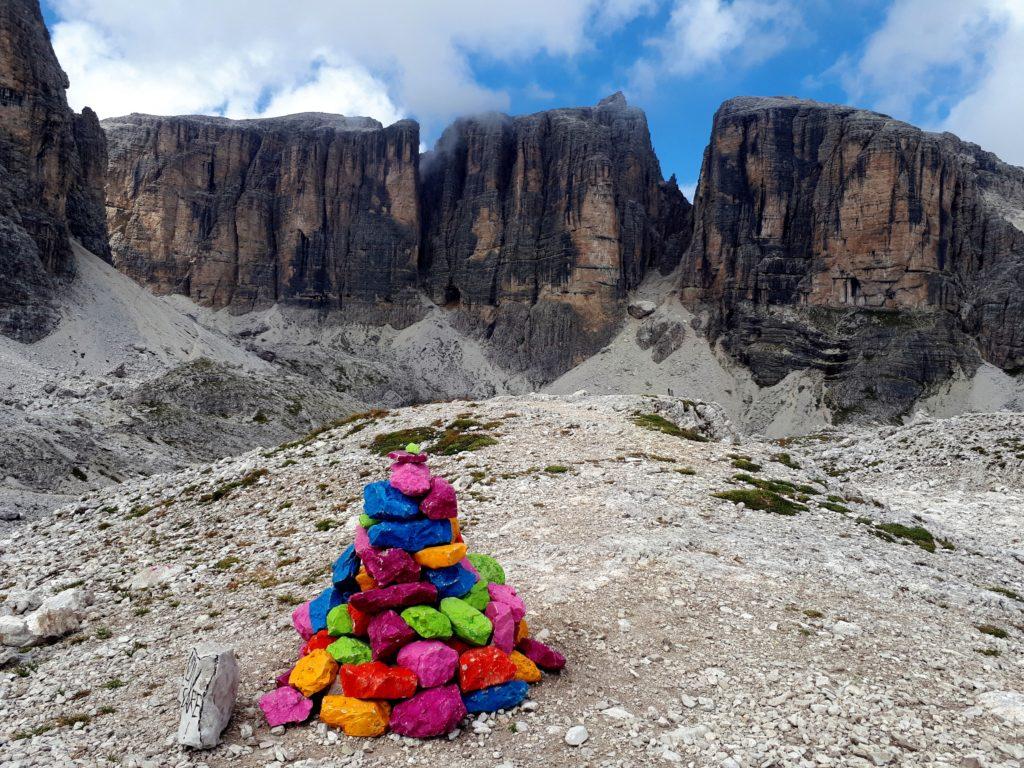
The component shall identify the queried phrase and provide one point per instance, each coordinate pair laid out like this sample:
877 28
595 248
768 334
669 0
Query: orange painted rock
317 642
526 670
313 673
484 667
456 533
522 631
440 557
377 681
355 717
365 581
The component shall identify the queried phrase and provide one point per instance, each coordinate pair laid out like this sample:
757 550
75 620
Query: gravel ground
699 632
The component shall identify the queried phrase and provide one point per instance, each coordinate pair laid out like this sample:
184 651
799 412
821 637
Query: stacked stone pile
414 632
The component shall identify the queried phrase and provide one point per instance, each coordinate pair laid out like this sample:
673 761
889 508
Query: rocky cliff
834 238
52 163
536 227
316 210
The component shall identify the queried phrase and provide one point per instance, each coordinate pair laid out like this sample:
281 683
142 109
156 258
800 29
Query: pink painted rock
411 479
396 596
433 712
440 503
389 632
390 566
285 705
503 593
468 565
301 621
543 656
504 626
362 542
433 662
404 457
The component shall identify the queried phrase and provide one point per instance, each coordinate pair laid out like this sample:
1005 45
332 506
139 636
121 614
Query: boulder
468 623
285 705
345 567
301 622
207 695
478 596
313 673
389 632
360 621
19 601
339 621
441 502
14 631
433 662
58 615
365 581
375 680
411 536
154 576
484 667
355 717
317 642
430 713
504 696
397 596
641 309
429 623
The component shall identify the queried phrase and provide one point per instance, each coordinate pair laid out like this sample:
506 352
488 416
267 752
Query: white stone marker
207 697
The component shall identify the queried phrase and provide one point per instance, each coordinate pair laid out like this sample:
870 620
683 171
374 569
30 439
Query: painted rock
544 657
407 457
313 673
397 596
503 635
375 680
388 633
433 662
454 581
365 581
355 717
362 542
345 567
526 670
339 621
282 679
360 621
468 565
391 566
429 623
522 630
410 478
285 705
412 536
488 567
317 642
508 596
433 712
459 646
348 650
505 696
440 503
443 556
301 622
382 501
366 521
456 537
478 596
484 667
322 604
467 622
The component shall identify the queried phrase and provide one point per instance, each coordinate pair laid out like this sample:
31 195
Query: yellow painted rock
526 670
440 557
313 672
365 581
355 716
522 631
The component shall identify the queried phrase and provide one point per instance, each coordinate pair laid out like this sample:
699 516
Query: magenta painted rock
503 593
301 621
411 479
433 712
440 503
504 633
285 705
390 566
282 679
362 542
404 457
433 662
389 632
543 656
468 565
397 596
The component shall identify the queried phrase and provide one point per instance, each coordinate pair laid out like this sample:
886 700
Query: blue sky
937 63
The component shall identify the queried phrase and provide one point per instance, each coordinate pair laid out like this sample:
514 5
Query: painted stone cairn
414 632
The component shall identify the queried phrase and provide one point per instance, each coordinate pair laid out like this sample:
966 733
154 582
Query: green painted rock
489 568
478 596
429 623
366 521
339 621
468 623
348 650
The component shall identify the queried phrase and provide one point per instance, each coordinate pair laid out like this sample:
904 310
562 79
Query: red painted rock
397 596
317 642
360 621
433 662
389 632
430 713
543 656
503 593
285 705
391 566
301 621
410 478
377 681
503 635
484 667
459 646
440 503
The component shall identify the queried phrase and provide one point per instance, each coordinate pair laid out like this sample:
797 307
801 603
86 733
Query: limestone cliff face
536 227
51 175
841 239
316 210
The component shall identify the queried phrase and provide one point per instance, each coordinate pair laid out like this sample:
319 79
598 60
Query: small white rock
576 735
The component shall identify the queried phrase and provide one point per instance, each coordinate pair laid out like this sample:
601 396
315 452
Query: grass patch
686 471
992 631
326 524
556 469
812 614
1006 593
746 464
226 563
786 459
388 442
452 441
835 507
783 487
910 534
225 490
656 423
993 652
766 501
113 684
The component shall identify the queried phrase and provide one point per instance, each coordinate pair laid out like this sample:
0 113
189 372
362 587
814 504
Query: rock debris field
851 598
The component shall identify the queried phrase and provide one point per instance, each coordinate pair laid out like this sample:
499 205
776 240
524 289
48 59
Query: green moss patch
992 631
384 444
763 500
656 423
225 490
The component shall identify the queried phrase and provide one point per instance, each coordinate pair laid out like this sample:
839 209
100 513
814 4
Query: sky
952 65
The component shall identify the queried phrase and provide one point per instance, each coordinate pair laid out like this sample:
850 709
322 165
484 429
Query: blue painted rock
382 501
453 581
345 567
397 596
389 632
504 696
411 536
322 604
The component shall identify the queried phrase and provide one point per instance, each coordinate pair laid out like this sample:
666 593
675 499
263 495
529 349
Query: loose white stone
207 696
576 735
1008 705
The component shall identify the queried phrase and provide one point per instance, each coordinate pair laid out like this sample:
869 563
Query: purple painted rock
404 457
397 596
504 632
411 479
468 565
282 679
389 632
440 503
543 656
433 712
285 705
433 662
362 543
301 621
502 593
391 566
